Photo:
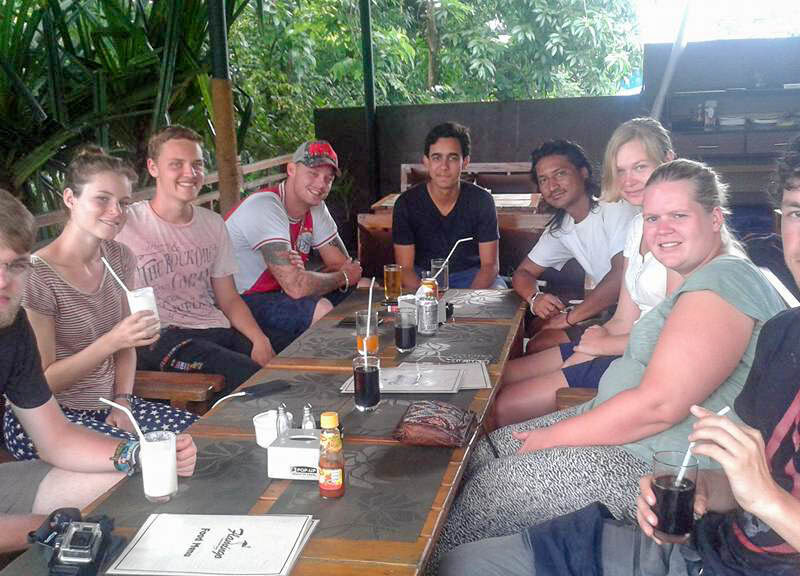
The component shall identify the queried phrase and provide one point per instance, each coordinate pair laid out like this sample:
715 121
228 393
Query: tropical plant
306 55
108 71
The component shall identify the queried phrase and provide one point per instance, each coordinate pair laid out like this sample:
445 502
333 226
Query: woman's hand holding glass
139 329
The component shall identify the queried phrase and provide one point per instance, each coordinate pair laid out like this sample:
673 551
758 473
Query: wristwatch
128 397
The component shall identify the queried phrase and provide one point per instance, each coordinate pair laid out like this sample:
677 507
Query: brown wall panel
501 131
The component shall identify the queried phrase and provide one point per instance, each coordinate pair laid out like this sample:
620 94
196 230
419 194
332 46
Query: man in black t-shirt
428 219
77 464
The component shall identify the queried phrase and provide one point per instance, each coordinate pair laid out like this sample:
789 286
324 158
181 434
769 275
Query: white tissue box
294 457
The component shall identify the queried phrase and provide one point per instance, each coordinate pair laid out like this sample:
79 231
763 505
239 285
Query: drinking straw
128 414
447 260
114 274
685 463
369 317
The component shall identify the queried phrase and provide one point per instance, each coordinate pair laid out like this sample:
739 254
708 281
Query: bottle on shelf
331 457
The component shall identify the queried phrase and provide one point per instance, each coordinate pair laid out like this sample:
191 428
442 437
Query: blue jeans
222 351
625 552
283 318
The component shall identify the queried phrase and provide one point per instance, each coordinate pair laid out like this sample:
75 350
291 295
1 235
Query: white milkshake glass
159 467
143 299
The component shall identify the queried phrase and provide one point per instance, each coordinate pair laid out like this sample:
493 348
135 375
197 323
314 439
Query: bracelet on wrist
532 300
570 324
346 282
126 457
128 397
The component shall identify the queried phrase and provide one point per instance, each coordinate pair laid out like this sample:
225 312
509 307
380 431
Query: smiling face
444 163
101 208
562 184
310 184
633 166
179 170
677 229
790 228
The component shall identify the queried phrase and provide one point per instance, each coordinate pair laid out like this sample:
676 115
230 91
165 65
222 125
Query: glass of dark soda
366 382
674 490
405 330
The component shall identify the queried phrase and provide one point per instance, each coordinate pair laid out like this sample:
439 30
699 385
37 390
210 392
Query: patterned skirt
505 495
149 415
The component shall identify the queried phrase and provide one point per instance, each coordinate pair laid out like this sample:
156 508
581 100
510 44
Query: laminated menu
200 544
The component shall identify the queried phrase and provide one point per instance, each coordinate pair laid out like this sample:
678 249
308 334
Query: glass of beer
392 281
444 276
431 285
362 318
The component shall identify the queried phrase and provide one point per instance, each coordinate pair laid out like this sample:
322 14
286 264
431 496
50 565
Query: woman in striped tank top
86 335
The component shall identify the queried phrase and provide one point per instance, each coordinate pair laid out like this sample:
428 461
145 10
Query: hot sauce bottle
331 458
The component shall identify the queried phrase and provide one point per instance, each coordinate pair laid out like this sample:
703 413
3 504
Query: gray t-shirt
740 284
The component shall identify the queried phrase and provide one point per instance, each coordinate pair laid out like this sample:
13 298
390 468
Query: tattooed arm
334 254
299 283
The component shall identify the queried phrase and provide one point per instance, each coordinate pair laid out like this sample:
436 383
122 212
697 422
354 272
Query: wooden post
230 182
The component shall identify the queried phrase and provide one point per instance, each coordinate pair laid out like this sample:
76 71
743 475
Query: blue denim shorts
585 374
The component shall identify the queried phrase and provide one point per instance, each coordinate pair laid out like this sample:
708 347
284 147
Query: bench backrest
497 177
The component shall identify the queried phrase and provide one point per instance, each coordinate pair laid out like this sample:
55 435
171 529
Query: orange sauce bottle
331 457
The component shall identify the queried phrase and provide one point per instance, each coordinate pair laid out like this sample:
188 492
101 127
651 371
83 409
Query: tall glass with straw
366 368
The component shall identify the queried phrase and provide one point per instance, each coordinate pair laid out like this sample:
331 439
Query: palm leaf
167 65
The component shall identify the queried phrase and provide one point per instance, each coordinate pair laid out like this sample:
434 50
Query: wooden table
397 496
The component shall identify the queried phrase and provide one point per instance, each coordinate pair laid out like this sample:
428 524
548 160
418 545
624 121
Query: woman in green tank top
696 347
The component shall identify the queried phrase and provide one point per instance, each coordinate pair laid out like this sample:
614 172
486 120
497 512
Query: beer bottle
331 458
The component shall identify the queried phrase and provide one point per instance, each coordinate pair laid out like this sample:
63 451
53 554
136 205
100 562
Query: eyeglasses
17 267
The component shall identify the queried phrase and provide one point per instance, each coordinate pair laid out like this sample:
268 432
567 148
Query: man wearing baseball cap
273 232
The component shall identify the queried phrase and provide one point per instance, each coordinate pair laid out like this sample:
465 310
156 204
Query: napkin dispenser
294 456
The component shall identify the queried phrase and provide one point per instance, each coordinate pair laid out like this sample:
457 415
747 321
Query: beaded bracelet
126 457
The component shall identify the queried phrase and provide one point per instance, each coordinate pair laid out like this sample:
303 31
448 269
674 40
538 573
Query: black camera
77 547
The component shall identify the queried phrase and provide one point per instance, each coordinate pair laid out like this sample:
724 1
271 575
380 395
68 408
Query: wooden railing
253 175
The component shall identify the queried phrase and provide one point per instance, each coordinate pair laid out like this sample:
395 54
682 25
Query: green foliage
108 71
111 70
307 55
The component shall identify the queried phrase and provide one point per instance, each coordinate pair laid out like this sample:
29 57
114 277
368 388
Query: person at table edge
273 232
592 232
429 218
77 464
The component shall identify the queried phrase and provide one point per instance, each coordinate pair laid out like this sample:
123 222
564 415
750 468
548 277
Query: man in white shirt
273 232
592 232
